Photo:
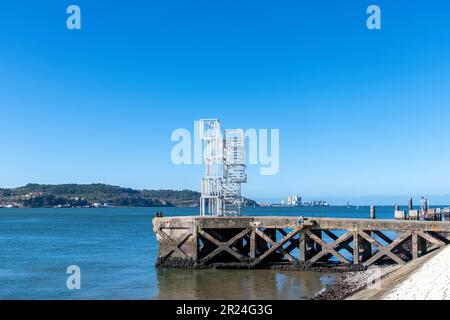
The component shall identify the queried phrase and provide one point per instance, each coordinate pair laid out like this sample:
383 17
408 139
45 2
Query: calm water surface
116 251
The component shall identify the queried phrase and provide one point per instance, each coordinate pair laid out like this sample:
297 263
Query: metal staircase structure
234 172
211 201
225 169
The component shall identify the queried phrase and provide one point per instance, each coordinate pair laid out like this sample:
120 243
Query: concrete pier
298 243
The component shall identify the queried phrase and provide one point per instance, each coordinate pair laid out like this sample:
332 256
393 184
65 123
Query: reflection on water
239 284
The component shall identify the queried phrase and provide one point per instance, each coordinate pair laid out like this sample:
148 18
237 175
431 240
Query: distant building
316 203
265 204
294 200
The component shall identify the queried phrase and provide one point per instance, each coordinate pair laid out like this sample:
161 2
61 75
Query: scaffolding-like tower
234 171
211 201
225 169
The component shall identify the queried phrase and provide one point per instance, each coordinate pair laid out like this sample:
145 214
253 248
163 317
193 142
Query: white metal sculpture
234 171
211 201
225 169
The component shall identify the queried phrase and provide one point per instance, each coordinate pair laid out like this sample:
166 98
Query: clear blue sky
361 113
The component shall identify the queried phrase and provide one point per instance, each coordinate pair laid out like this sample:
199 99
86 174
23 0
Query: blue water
116 249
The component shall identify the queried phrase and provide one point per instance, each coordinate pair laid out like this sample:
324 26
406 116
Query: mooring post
446 214
372 212
439 214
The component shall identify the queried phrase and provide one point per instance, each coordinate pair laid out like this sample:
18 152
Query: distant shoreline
96 196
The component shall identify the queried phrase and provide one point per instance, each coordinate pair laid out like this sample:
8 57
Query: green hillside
83 195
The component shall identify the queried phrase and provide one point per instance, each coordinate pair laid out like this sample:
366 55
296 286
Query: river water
116 249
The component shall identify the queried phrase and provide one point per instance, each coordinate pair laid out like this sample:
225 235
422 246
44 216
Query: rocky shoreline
350 283
183 263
